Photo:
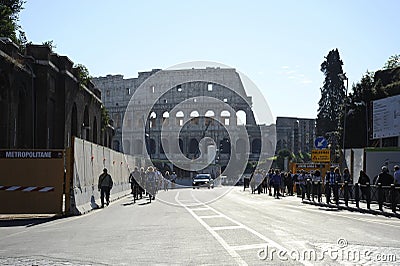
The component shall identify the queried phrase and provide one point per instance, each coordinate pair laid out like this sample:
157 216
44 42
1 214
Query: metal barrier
377 194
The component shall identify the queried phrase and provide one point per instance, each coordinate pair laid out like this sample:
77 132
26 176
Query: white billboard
386 117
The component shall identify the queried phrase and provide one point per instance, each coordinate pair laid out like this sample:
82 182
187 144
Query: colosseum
187 120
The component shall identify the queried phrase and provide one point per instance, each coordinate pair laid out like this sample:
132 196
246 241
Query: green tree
83 74
280 159
51 45
393 62
9 17
333 94
363 92
359 115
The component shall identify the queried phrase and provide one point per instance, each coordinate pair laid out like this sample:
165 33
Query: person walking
151 183
396 175
252 183
338 180
167 180
289 183
133 179
276 183
363 179
283 184
302 183
105 185
347 178
258 179
316 185
385 179
173 180
142 182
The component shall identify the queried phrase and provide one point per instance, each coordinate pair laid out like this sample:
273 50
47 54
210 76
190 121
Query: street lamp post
367 123
343 77
364 103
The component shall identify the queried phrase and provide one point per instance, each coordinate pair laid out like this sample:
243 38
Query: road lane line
218 228
268 241
251 246
209 216
223 243
228 248
200 209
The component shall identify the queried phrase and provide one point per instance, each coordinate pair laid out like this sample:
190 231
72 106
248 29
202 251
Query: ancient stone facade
295 134
172 100
43 103
115 94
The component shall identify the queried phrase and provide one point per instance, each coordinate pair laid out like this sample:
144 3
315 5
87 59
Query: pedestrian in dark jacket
276 183
289 183
104 185
363 179
385 179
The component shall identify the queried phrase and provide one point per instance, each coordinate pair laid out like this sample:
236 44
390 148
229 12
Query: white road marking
247 247
217 228
210 216
200 209
223 243
232 249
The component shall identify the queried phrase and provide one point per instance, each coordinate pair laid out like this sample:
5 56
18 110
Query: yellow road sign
323 155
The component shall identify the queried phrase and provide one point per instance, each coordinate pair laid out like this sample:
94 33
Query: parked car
202 180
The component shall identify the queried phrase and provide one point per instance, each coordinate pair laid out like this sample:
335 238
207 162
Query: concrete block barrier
89 160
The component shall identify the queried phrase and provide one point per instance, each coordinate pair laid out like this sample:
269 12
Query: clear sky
279 45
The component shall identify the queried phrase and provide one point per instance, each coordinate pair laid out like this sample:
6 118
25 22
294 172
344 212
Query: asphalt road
178 228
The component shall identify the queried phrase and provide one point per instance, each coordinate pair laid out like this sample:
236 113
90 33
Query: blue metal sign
321 143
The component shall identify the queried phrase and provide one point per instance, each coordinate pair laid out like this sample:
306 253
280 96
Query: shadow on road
136 203
128 203
329 209
28 222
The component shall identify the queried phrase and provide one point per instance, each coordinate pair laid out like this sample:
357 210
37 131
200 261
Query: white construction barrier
89 161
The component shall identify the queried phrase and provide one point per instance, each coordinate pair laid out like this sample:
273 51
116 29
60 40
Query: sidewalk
374 207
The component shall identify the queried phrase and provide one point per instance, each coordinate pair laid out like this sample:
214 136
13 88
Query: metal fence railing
338 193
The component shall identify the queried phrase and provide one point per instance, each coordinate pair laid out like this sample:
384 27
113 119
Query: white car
202 180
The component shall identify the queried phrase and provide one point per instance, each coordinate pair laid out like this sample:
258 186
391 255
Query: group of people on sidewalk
264 182
142 182
287 182
150 182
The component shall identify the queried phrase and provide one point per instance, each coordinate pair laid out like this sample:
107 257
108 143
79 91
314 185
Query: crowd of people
277 183
149 182
274 182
